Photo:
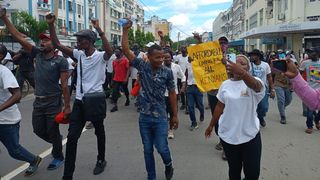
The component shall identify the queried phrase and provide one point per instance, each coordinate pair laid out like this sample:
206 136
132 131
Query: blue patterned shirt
153 87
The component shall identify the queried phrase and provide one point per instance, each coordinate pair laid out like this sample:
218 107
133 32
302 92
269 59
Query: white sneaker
170 134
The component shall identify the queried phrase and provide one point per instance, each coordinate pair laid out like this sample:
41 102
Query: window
79 26
79 9
41 18
60 23
253 21
247 25
261 17
60 4
70 6
70 26
64 4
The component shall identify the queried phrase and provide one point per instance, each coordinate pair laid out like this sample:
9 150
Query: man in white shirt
177 73
10 118
91 76
194 98
182 60
262 70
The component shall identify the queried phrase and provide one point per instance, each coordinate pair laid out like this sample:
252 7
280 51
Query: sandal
55 163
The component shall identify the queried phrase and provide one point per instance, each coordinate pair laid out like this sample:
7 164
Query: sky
187 16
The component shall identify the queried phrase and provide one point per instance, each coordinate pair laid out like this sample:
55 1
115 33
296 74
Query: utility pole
178 41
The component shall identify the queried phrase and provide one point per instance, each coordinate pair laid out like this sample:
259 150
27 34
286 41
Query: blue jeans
284 97
194 98
312 116
263 106
154 131
9 136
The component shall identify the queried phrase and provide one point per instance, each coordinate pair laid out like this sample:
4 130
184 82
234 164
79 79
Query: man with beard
49 68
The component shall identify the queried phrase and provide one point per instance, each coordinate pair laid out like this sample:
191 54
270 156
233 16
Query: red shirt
120 69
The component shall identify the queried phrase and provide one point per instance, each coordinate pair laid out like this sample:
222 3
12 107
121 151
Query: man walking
48 102
153 124
91 76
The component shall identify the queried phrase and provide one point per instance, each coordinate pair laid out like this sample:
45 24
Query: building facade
156 24
282 24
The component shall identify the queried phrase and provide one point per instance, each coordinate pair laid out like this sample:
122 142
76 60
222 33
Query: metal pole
104 15
178 41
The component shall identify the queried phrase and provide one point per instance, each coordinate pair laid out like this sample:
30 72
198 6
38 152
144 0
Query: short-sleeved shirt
190 79
182 62
261 71
7 61
239 122
93 72
177 73
153 87
120 69
312 69
109 63
47 73
11 115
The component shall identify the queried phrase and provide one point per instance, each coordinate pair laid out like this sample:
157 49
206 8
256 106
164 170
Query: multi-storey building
222 25
156 24
282 24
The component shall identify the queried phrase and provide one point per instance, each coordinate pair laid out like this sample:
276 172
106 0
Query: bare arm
108 50
125 42
16 96
14 32
215 118
55 41
173 104
65 91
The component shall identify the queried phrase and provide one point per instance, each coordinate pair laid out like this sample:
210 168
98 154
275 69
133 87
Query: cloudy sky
186 16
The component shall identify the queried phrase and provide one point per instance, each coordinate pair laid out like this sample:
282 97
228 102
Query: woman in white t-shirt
238 122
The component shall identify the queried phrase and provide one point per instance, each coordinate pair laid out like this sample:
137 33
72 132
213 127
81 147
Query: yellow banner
209 72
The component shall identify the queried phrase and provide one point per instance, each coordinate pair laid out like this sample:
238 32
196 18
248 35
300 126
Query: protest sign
208 69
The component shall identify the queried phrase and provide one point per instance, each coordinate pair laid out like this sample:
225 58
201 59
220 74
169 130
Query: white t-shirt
177 73
12 114
239 122
93 72
261 71
182 61
109 63
134 71
7 63
191 80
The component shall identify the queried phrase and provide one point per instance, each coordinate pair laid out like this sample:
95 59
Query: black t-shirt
47 73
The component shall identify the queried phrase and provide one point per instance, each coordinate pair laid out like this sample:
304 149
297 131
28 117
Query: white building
282 24
222 25
156 24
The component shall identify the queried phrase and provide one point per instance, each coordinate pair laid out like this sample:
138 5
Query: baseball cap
44 36
87 33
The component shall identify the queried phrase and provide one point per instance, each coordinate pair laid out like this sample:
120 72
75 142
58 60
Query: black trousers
213 100
44 125
77 122
247 155
116 90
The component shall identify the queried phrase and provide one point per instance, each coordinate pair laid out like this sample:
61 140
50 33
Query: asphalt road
287 153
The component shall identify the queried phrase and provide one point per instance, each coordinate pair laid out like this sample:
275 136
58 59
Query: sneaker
114 109
223 156
219 146
89 125
101 164
33 167
308 130
127 102
55 164
170 134
201 118
283 120
182 107
193 127
169 172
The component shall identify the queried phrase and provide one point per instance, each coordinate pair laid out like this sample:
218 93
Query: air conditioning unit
281 16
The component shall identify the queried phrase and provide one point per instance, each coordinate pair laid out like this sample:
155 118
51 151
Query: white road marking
24 166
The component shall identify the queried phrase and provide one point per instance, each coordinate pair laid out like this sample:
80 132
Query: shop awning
239 42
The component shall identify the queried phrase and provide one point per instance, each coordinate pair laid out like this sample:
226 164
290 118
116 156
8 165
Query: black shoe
114 109
201 118
33 167
101 164
182 107
127 102
169 172
283 120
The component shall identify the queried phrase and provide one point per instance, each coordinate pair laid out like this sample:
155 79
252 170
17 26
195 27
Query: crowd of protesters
161 79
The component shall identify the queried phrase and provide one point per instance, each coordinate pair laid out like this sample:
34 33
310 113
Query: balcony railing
43 5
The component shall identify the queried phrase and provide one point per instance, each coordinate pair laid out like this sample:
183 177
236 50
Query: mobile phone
280 65
232 57
282 56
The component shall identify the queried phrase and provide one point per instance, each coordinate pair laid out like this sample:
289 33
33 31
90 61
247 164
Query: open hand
95 23
160 33
50 18
234 68
208 132
175 122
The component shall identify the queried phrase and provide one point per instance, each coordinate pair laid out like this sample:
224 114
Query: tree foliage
131 37
29 26
149 37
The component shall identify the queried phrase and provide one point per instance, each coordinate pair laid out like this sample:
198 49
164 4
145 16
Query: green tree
28 25
139 38
149 37
131 37
167 40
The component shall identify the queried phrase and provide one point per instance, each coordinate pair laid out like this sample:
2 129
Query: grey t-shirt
47 73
